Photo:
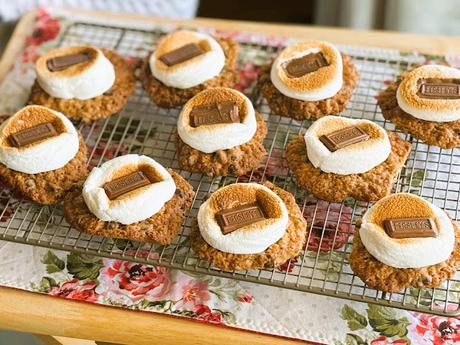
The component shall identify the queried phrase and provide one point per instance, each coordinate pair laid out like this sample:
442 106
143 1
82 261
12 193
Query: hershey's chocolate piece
410 227
439 88
182 54
211 114
306 64
234 218
32 134
343 137
59 63
125 184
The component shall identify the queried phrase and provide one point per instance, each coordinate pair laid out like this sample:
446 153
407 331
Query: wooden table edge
72 319
26 311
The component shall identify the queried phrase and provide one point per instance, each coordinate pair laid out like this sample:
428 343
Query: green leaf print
46 283
53 263
386 321
228 317
353 339
417 178
125 244
354 319
83 266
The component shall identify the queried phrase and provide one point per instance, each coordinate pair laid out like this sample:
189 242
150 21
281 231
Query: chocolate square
60 63
182 54
234 218
298 67
125 184
439 88
214 113
410 227
32 134
343 138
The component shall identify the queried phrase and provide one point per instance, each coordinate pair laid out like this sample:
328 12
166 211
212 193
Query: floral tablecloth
216 300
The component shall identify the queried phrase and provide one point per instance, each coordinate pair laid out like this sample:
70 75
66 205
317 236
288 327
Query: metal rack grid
322 268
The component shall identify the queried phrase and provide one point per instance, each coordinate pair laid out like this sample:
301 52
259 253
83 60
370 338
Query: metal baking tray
323 267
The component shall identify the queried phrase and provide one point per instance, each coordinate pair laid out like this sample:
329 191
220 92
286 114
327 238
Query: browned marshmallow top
29 117
213 97
43 62
329 65
177 40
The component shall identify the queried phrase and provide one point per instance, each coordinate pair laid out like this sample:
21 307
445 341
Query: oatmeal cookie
48 187
170 97
302 110
98 107
371 185
162 227
443 134
235 161
382 277
290 245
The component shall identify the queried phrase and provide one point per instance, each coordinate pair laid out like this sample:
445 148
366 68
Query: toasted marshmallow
221 136
406 252
249 239
44 155
353 159
81 81
315 86
191 72
428 109
133 206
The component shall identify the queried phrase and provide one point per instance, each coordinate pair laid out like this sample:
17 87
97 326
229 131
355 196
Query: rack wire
323 267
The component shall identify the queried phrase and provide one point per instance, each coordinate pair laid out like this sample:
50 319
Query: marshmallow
406 252
81 81
222 136
428 109
249 239
45 155
353 159
133 206
191 72
315 86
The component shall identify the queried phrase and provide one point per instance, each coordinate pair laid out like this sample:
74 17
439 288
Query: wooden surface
30 312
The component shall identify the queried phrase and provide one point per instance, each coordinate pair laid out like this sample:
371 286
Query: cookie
388 278
314 94
95 108
221 149
48 187
161 227
443 134
372 184
41 154
287 246
169 95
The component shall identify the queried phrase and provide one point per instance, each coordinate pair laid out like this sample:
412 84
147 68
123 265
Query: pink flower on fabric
130 282
244 297
248 75
46 29
330 221
276 166
382 340
194 292
106 150
204 313
436 330
74 289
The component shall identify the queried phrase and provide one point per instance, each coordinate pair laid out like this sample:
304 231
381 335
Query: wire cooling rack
323 267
